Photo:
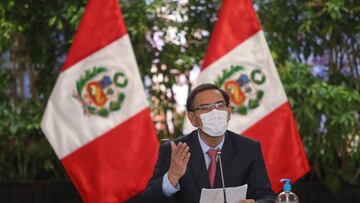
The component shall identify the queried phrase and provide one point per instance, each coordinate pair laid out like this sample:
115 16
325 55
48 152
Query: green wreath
226 73
116 76
254 79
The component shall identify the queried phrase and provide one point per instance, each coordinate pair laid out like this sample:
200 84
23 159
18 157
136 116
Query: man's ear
191 116
193 119
229 112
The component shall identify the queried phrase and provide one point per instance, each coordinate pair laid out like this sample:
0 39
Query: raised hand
180 156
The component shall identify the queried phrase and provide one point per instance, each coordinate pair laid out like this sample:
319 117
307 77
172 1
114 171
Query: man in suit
189 163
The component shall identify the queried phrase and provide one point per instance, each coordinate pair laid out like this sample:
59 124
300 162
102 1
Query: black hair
201 88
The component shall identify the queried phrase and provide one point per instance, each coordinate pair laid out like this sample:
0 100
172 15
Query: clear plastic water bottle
286 195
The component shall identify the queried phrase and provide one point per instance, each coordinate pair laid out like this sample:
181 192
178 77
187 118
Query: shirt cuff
167 188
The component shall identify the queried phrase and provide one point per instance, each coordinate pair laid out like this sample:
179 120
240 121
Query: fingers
180 156
180 151
187 158
173 146
178 146
183 151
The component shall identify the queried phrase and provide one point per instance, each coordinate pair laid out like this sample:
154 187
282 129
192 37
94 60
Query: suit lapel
197 163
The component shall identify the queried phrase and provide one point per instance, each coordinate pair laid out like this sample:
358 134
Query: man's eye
205 107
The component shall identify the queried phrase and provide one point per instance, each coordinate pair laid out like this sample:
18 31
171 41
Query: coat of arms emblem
243 88
100 92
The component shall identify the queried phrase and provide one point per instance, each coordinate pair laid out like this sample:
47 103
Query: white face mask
214 122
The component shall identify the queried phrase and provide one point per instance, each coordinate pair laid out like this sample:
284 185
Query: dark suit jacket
242 164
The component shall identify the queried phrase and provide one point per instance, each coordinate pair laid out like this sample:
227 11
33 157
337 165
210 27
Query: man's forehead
208 96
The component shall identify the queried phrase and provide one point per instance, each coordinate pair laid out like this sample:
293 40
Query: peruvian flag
97 118
239 61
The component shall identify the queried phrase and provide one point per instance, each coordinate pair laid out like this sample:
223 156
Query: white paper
233 195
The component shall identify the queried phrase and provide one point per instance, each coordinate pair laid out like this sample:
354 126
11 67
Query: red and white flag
239 61
97 118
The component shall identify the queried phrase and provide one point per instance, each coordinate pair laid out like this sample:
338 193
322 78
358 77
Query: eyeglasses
221 105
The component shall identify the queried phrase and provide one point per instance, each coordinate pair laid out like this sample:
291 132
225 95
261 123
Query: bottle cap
287 185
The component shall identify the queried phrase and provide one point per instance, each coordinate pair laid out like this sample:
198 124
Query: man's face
205 102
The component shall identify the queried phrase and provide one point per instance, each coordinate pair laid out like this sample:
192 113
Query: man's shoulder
241 139
186 138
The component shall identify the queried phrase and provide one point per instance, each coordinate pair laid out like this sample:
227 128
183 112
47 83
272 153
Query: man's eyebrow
211 103
204 104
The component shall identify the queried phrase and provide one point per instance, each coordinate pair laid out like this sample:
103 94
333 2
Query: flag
97 118
239 61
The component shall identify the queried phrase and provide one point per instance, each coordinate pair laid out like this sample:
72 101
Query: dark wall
66 193
39 193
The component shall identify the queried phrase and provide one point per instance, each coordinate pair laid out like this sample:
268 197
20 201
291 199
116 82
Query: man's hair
201 88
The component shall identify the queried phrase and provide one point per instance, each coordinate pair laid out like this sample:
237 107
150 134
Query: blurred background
315 45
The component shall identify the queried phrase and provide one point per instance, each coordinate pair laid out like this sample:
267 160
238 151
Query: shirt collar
205 147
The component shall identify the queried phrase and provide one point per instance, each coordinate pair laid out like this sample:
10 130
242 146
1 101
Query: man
188 164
